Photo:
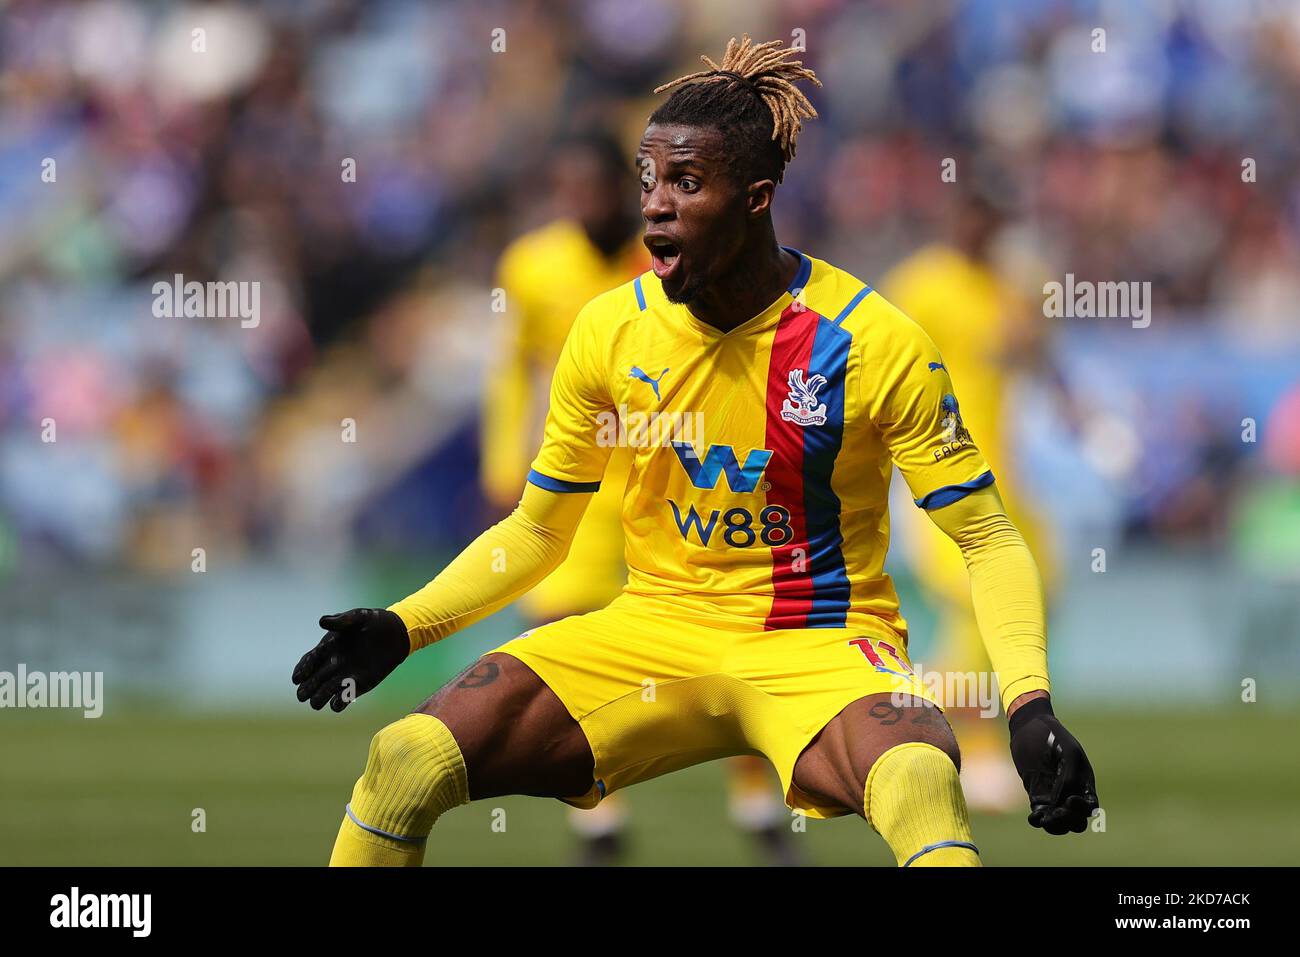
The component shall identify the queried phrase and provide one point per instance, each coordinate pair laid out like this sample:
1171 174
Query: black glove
1054 769
364 645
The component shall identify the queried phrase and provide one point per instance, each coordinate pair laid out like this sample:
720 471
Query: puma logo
636 373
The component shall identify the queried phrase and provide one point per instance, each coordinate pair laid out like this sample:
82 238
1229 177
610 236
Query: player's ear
758 198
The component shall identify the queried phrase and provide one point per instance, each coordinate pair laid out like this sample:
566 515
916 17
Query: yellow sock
413 774
913 799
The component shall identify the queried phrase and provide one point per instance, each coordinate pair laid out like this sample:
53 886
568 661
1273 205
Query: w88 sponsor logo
738 526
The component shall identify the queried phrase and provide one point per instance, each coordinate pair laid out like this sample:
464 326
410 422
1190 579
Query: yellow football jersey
761 457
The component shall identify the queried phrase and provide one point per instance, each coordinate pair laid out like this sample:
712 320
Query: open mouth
664 257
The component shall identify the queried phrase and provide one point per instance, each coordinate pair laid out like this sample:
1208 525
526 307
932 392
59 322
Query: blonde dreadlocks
750 95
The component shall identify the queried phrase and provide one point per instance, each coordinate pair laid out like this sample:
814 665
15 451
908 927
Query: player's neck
757 281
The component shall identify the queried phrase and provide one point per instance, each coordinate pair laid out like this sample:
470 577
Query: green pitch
1178 788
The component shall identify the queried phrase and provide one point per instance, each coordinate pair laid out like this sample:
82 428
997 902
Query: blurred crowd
366 163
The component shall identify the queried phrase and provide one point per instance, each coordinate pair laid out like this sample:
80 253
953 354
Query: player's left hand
361 649
1056 773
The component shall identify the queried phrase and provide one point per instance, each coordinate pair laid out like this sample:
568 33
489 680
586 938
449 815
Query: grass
1211 787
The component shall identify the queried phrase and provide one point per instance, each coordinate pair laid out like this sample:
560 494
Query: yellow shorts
656 690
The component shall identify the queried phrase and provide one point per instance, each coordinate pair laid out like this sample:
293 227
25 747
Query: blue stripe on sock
934 847
375 830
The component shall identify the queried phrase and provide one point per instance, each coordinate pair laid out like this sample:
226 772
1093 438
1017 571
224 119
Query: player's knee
414 772
913 797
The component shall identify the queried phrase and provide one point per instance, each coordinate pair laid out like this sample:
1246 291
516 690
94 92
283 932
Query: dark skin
731 266
515 734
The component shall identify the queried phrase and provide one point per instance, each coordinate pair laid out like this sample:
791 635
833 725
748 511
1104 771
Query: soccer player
595 244
757 618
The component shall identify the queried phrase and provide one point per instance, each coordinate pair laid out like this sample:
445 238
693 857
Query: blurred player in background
594 246
983 327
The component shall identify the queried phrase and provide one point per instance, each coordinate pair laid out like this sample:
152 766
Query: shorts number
864 645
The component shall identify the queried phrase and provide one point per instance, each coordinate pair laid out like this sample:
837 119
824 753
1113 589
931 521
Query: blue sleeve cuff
954 493
560 485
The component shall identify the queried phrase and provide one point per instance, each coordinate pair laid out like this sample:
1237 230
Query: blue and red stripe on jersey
811 589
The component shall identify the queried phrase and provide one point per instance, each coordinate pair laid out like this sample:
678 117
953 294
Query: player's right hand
361 648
